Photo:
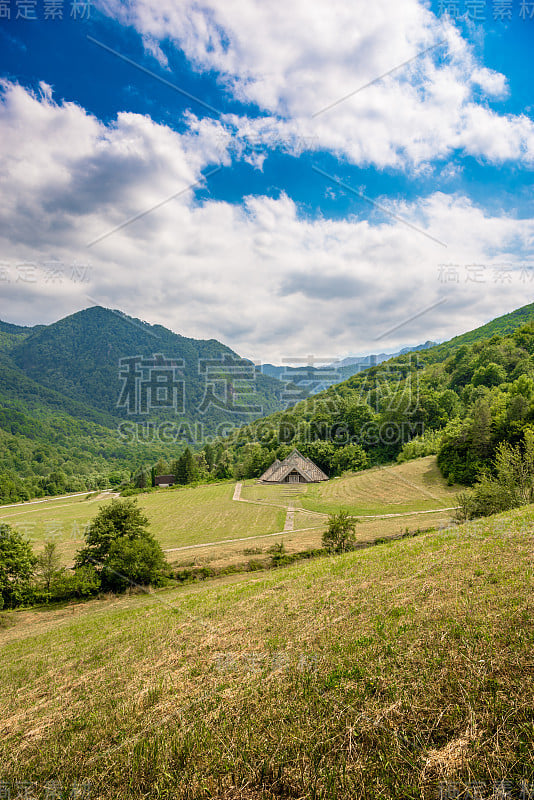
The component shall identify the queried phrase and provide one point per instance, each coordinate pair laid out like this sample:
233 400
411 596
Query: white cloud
152 46
256 275
491 82
295 59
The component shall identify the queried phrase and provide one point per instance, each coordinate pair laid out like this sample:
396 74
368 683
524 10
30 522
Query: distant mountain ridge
89 355
79 358
315 379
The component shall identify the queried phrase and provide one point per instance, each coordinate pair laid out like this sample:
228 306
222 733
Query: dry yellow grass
376 674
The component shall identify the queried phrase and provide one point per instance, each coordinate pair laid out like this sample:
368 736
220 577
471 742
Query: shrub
81 582
49 564
512 486
340 535
120 547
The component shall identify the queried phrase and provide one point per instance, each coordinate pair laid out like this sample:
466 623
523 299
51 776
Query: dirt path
242 539
44 500
290 518
290 507
22 506
289 526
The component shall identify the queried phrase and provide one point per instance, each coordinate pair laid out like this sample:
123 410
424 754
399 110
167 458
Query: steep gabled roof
294 461
271 470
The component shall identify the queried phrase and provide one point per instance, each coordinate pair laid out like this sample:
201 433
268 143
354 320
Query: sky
306 178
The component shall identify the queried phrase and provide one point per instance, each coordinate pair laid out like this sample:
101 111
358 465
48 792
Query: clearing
216 528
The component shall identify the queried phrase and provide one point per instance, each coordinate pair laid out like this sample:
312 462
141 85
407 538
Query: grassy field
189 516
302 538
413 486
205 514
58 520
276 493
398 671
177 517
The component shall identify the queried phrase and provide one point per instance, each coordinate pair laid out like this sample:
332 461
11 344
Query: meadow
183 518
413 486
178 516
399 671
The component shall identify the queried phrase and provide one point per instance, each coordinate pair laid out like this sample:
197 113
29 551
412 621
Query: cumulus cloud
257 275
296 60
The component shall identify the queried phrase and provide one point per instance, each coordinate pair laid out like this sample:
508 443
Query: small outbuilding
164 480
296 468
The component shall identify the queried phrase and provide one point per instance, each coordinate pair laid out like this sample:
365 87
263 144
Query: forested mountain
66 389
459 399
88 357
78 399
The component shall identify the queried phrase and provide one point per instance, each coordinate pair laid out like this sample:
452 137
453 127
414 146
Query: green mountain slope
84 358
500 326
61 388
460 399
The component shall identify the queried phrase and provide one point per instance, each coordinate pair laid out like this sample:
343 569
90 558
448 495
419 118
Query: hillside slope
500 326
65 387
84 357
393 672
458 399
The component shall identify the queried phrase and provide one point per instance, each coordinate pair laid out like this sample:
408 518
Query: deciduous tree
17 565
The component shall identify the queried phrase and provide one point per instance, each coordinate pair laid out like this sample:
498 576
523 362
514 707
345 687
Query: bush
487 497
340 536
49 564
350 458
120 547
512 486
425 445
81 583
131 491
133 562
194 574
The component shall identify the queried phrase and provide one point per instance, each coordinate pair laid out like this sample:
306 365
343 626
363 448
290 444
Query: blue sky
312 230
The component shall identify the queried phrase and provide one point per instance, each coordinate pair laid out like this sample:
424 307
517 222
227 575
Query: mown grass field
206 513
177 517
391 672
61 520
189 516
413 486
302 538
